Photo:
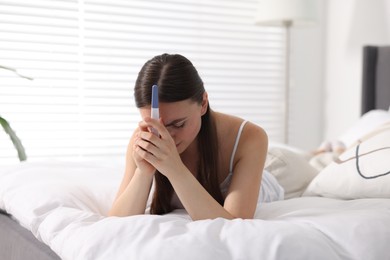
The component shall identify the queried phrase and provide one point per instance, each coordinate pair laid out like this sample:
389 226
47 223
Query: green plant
14 138
7 128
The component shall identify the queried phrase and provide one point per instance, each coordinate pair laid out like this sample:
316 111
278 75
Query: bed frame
18 243
376 78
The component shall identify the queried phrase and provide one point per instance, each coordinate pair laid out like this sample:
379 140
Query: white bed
330 211
64 205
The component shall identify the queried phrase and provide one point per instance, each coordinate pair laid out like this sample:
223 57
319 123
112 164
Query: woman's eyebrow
175 121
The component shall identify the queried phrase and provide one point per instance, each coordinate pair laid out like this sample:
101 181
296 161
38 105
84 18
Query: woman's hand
141 163
160 152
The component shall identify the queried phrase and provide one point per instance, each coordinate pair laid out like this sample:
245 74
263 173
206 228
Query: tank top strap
235 146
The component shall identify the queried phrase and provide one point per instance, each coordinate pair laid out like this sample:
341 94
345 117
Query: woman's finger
146 144
142 153
159 126
143 126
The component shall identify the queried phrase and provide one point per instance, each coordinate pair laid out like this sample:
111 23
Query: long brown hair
178 80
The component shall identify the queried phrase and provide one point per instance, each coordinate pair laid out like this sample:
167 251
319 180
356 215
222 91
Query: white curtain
84 56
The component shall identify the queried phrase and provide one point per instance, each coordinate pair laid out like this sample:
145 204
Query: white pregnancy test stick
154 107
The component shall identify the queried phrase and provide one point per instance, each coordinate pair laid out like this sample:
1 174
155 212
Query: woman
209 163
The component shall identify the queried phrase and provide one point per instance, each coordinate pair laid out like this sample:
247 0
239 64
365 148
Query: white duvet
64 205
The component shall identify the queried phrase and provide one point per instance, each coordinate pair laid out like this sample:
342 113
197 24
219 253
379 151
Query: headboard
376 78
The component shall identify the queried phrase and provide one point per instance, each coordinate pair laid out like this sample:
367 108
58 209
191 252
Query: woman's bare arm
135 187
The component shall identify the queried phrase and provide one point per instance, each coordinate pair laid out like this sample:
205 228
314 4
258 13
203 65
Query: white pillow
343 181
367 123
292 170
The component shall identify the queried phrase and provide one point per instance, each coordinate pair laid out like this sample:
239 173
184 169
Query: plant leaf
14 138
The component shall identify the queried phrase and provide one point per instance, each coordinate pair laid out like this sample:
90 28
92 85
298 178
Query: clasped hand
156 152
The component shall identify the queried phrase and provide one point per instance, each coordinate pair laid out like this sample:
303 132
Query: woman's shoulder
229 126
232 123
254 137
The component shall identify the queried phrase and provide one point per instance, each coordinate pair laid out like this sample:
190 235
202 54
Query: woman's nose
172 132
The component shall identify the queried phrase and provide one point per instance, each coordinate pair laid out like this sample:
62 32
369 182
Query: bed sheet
64 204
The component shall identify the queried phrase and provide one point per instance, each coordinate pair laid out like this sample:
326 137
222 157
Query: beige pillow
354 179
292 170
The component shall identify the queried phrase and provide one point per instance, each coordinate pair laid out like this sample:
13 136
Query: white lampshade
280 12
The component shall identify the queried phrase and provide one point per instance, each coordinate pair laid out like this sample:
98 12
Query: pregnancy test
154 110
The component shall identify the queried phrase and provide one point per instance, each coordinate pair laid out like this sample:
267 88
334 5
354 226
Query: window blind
84 56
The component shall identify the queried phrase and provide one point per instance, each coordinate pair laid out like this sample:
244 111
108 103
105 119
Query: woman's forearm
196 200
133 199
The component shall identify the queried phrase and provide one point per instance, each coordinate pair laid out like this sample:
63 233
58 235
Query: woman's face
182 120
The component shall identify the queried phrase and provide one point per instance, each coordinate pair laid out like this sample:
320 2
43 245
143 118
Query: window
84 56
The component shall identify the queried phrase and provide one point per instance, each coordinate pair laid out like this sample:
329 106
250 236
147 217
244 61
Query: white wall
307 73
350 25
326 66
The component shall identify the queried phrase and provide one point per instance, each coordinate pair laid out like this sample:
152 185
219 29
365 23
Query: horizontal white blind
84 56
